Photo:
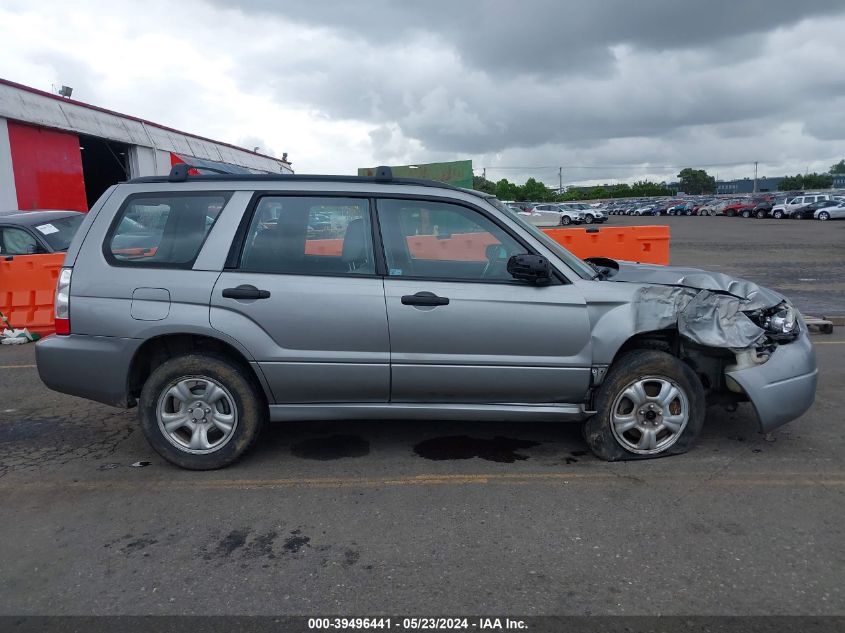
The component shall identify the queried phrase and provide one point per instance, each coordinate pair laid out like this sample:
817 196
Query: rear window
164 231
59 233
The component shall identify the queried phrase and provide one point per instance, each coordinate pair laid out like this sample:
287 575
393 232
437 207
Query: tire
565 220
588 219
746 213
761 215
824 216
241 405
777 215
652 370
689 212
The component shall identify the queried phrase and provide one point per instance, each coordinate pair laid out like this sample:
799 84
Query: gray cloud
631 88
550 78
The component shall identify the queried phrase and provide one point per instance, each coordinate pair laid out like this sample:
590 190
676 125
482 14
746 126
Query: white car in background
786 209
565 216
590 213
831 213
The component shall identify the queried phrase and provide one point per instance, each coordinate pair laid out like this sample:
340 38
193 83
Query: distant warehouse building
746 185
57 153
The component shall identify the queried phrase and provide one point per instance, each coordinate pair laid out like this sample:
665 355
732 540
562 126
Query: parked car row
820 206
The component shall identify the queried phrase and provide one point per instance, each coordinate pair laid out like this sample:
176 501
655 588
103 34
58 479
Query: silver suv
218 303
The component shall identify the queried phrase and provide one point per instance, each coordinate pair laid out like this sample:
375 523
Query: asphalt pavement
362 518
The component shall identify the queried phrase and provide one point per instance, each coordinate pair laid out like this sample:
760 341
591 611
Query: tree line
691 181
536 191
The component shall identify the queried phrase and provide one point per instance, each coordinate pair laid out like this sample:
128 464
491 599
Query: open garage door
104 163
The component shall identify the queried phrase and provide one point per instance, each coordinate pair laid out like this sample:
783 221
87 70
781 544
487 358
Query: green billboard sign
457 173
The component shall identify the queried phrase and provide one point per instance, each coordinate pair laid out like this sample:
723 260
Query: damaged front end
745 341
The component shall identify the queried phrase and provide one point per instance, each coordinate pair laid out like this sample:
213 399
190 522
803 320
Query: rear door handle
424 299
245 292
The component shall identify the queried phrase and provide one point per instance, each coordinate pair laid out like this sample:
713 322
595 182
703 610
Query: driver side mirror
531 268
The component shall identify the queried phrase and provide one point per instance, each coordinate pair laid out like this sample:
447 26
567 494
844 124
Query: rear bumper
93 367
783 388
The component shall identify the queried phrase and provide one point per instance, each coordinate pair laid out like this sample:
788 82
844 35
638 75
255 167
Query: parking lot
439 518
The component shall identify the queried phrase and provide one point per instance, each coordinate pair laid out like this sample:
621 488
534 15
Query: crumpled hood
755 297
707 308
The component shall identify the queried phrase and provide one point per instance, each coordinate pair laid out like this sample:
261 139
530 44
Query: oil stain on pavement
497 449
331 447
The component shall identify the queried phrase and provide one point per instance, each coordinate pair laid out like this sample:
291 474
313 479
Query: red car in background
740 207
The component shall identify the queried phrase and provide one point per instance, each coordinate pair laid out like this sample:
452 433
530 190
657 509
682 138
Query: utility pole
560 179
755 176
484 173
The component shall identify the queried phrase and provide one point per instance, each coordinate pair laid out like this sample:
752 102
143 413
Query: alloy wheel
649 415
197 414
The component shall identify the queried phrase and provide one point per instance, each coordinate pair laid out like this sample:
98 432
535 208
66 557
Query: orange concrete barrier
646 244
27 289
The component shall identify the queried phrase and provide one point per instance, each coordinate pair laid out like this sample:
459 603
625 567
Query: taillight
62 302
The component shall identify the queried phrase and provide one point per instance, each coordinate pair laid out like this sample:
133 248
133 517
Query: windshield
59 233
582 269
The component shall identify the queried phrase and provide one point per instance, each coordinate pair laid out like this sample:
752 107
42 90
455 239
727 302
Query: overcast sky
612 90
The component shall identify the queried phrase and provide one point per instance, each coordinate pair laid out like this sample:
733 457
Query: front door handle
424 299
245 292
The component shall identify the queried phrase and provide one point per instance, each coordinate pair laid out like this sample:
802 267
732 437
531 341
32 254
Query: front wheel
761 215
651 404
588 219
565 220
201 412
824 215
746 214
777 215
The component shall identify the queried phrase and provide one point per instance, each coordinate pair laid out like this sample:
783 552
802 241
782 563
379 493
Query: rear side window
310 236
163 230
15 241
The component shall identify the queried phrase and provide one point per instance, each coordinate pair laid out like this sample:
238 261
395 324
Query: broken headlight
780 322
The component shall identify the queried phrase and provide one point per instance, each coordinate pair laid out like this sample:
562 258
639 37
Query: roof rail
383 175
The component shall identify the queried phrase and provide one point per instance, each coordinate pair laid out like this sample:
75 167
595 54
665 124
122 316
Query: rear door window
163 230
310 236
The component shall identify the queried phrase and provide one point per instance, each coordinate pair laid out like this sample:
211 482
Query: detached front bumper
784 387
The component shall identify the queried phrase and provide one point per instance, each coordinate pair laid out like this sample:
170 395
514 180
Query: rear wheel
746 213
201 412
761 215
824 215
651 404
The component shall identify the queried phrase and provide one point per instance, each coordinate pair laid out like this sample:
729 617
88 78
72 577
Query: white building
57 153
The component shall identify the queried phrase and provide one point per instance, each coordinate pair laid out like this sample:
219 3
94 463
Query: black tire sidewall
249 401
630 366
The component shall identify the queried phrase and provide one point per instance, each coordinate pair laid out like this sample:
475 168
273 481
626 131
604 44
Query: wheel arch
159 349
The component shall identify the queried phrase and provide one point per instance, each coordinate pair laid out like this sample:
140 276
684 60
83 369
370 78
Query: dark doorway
104 163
